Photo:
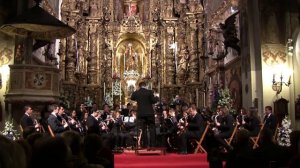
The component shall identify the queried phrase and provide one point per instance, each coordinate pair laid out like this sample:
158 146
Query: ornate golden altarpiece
117 44
120 42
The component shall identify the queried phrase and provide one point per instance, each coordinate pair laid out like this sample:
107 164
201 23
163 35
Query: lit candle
124 60
104 89
204 103
120 93
112 89
197 97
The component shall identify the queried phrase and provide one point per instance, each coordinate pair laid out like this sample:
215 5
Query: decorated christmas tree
284 131
9 130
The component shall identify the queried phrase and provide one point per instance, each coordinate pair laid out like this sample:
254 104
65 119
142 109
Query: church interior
238 53
187 48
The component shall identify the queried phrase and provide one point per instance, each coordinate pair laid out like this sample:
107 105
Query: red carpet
131 160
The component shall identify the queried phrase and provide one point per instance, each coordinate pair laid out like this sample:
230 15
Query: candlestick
120 93
124 61
204 97
104 89
197 97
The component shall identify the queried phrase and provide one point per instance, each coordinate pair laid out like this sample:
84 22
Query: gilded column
194 60
82 44
71 49
92 57
170 56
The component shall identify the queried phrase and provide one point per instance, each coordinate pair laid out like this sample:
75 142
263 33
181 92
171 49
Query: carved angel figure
230 33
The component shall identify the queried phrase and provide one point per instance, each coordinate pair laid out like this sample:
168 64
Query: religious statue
183 62
131 58
183 57
94 11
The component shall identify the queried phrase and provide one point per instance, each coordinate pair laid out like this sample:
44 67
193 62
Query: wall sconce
290 47
0 81
277 85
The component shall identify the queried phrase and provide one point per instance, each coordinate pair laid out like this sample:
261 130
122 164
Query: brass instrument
139 137
182 125
64 123
77 124
103 126
242 122
38 126
216 123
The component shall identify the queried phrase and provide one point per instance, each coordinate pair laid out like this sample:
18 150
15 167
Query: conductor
145 114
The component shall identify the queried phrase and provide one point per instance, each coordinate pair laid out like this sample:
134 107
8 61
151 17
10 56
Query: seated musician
117 129
225 128
240 118
84 121
27 122
171 127
92 122
252 123
130 127
62 116
75 124
194 126
57 126
106 112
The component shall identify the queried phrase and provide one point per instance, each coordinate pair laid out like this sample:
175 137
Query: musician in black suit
195 126
225 127
252 122
270 119
93 122
145 113
27 122
53 121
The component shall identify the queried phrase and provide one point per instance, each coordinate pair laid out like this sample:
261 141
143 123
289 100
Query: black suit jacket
55 124
26 121
227 125
93 125
270 122
145 99
196 124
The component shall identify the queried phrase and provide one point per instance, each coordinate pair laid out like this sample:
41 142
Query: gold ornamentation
274 54
5 56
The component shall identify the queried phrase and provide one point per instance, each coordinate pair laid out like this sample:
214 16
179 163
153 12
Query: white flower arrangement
224 97
9 130
226 100
284 131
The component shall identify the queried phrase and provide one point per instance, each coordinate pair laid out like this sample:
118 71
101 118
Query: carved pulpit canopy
38 24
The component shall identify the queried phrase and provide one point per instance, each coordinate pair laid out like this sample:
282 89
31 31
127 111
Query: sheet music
131 119
128 119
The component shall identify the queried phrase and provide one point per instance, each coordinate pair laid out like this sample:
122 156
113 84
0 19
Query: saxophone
182 125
